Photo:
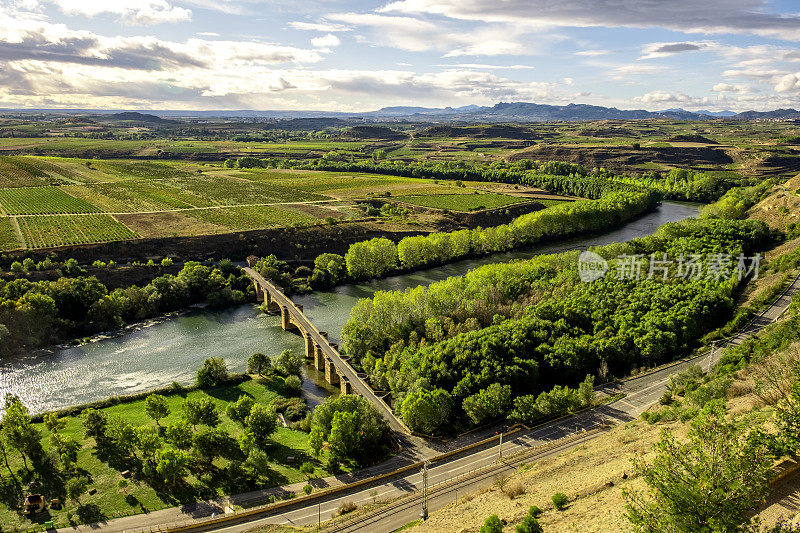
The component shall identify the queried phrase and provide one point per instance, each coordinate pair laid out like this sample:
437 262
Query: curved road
479 469
469 470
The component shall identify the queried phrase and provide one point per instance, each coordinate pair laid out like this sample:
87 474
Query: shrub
560 501
307 489
346 507
492 525
213 373
292 384
514 491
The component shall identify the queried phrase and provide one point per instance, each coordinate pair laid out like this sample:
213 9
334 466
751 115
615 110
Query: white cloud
326 41
483 66
688 16
129 11
319 26
730 88
488 48
788 83
592 53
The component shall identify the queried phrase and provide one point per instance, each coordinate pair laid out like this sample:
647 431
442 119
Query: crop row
44 231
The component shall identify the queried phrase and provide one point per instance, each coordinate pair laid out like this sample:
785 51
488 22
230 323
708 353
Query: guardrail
509 461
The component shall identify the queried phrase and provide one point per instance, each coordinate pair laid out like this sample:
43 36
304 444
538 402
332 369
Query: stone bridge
325 354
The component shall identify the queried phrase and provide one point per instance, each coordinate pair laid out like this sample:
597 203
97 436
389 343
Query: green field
463 202
43 231
139 495
41 201
251 217
243 199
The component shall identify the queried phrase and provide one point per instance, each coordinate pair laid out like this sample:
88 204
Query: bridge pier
319 359
286 323
259 291
331 376
309 346
345 385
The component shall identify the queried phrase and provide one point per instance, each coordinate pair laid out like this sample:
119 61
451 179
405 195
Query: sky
363 55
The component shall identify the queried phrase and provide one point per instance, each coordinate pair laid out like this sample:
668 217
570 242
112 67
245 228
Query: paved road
640 393
471 470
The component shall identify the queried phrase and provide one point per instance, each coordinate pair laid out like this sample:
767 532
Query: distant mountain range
501 112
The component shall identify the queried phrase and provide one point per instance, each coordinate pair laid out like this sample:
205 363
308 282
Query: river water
173 349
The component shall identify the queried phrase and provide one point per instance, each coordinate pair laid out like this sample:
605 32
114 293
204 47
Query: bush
307 489
560 501
492 525
292 385
346 507
514 491
213 373
288 363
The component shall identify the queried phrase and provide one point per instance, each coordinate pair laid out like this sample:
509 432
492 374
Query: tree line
530 325
36 314
380 256
556 176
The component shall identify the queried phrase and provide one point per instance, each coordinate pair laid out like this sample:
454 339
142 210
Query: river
172 349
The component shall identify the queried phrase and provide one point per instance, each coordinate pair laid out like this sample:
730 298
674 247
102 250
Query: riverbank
155 356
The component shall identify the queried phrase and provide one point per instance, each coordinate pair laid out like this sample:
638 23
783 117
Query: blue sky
357 56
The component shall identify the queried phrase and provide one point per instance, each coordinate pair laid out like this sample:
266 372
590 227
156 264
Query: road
464 472
639 394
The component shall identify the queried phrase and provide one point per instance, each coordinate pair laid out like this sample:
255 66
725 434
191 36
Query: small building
33 504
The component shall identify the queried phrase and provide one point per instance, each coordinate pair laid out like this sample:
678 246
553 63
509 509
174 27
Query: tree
333 264
179 434
259 363
53 423
315 440
200 410
492 525
76 487
426 410
213 373
708 483
240 409
18 431
288 363
262 422
258 462
95 423
369 424
67 449
123 435
530 523
156 407
488 403
292 384
307 469
4 452
171 465
344 437
560 501
148 441
209 444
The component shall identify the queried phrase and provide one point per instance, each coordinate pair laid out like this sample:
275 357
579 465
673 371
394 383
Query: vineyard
43 231
41 201
463 202
251 217
56 201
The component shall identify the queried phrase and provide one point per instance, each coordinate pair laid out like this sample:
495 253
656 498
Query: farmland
463 202
54 201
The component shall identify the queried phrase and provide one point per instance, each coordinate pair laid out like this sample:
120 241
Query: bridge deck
308 328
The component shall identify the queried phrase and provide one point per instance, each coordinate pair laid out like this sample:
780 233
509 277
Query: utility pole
500 449
424 513
319 516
